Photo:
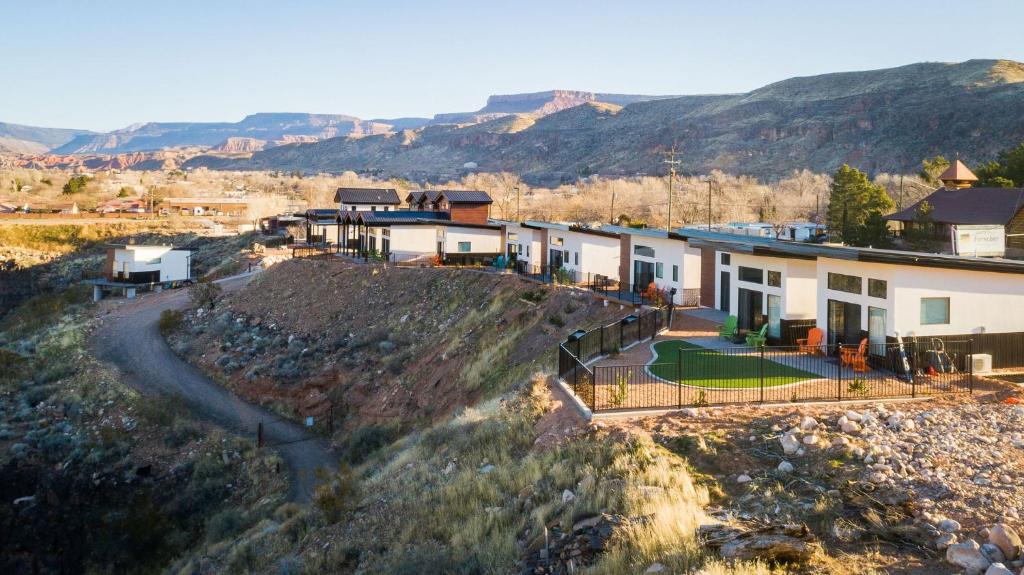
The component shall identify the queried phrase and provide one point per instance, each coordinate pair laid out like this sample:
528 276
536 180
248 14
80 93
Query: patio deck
626 381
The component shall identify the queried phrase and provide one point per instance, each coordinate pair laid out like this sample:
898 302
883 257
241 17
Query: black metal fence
583 347
684 375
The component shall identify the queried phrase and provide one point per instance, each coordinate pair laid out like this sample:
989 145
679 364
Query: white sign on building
979 241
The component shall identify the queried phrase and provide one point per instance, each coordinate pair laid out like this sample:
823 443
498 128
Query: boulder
810 439
656 568
785 467
568 496
967 556
790 444
993 553
949 526
808 423
1006 539
744 478
998 569
944 541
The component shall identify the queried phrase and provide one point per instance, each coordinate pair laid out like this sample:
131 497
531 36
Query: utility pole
672 162
709 204
900 204
611 212
518 219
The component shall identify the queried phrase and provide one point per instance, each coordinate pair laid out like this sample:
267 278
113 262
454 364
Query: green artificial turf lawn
709 368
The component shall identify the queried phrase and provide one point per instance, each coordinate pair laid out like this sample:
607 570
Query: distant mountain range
877 120
18 139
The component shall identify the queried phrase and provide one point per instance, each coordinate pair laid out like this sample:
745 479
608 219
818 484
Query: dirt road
128 338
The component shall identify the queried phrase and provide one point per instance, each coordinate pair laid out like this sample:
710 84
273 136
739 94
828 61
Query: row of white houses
849 293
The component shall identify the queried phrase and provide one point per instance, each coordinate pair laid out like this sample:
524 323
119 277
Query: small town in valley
755 308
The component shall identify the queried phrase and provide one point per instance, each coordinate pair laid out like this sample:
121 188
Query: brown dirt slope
391 347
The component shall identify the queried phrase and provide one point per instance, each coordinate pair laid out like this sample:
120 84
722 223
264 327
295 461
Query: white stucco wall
595 254
797 293
669 252
528 238
413 240
483 240
979 302
172 264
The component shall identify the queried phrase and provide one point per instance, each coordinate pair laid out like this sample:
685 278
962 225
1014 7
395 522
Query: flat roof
570 228
800 250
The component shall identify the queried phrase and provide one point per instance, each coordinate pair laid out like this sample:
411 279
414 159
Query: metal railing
684 375
635 294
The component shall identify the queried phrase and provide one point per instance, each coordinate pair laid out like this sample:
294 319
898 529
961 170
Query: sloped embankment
389 348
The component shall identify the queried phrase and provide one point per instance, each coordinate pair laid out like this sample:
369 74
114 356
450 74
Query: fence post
679 376
839 378
600 340
970 366
761 371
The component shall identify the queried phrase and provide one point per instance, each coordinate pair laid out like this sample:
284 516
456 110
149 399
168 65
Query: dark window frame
643 251
777 276
835 283
874 284
744 274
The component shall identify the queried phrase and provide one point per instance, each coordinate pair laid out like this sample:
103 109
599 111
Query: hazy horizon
104 69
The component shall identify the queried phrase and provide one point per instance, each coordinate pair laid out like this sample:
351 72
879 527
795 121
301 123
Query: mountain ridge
878 120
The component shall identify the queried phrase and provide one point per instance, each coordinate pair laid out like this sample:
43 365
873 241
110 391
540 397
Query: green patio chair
758 339
728 329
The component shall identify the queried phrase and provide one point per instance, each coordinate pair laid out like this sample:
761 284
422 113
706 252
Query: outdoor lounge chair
728 329
759 338
812 343
857 357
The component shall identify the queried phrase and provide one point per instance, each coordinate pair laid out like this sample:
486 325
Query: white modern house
758 289
665 259
129 266
522 245
583 252
131 263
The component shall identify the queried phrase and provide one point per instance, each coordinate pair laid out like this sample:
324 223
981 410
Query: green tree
1006 172
853 200
75 185
921 233
931 168
124 192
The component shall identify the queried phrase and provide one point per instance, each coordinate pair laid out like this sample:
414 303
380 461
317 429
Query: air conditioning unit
979 363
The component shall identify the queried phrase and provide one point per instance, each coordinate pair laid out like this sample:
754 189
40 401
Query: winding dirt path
128 338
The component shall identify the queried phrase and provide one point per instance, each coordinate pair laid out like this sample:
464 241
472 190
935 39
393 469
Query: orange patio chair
812 343
857 358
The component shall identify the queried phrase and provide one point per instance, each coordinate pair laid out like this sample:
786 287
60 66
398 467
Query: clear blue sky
103 65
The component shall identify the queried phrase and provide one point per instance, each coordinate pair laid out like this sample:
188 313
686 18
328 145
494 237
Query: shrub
170 321
701 400
621 392
556 320
334 497
226 524
365 441
204 294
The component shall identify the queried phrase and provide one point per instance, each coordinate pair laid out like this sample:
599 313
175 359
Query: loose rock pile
560 552
966 457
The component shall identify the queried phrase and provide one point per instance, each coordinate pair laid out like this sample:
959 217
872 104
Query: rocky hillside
388 348
19 139
538 104
877 120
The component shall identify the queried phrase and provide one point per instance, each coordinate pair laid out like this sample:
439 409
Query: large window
645 251
752 275
843 282
465 247
675 273
576 258
877 288
659 270
774 278
726 259
934 310
876 330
